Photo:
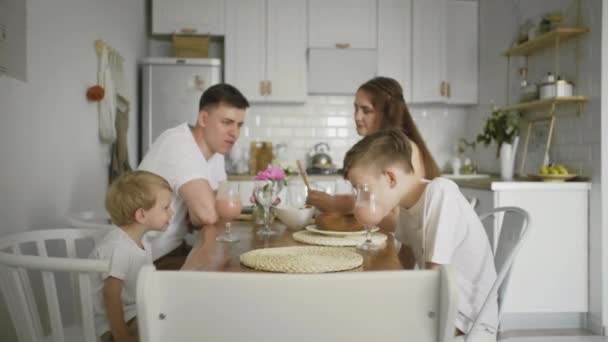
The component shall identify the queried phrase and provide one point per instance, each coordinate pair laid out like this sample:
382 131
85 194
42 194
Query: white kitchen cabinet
462 51
265 49
428 51
550 273
395 42
342 23
445 52
204 17
339 71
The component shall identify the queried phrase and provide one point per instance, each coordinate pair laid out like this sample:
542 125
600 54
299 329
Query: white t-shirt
443 228
126 259
176 157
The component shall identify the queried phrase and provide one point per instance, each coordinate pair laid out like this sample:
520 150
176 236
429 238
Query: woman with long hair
379 104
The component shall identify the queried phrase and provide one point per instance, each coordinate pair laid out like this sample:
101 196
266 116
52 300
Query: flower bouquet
269 184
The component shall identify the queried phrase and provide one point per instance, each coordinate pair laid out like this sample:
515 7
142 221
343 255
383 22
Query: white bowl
294 218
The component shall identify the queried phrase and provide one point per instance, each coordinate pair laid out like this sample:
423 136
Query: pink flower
271 173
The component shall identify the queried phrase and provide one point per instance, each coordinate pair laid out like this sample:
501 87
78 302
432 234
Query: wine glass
228 206
265 193
368 213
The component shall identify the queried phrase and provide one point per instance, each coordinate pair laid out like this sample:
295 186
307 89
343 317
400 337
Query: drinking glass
266 192
368 213
296 194
228 206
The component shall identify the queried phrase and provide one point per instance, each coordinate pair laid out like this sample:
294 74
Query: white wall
577 140
51 159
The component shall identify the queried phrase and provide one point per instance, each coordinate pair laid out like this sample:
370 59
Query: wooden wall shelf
545 103
547 39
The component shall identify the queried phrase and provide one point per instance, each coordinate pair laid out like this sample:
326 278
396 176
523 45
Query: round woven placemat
302 259
336 241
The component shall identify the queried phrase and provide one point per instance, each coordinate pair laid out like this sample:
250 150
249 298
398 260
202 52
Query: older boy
138 202
436 225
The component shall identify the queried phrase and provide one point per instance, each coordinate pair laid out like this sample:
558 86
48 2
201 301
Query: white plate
313 229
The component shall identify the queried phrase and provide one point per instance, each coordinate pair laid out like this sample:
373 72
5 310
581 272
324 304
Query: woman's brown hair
387 98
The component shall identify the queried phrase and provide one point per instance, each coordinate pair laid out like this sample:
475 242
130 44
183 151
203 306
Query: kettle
320 156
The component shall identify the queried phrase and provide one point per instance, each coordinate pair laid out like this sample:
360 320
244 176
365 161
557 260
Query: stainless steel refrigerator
172 88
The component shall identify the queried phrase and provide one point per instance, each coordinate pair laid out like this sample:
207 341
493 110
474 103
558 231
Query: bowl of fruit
553 173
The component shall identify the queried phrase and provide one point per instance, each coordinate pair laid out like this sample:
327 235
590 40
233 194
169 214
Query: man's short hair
380 150
222 93
132 191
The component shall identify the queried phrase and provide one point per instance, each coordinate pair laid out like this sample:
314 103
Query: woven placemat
302 259
336 241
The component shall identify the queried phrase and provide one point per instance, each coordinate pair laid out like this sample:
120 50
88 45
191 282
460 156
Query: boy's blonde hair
380 150
132 191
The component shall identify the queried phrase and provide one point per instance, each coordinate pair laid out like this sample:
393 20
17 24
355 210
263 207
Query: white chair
49 259
509 231
353 306
89 219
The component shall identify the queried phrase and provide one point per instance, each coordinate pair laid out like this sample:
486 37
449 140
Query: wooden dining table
207 254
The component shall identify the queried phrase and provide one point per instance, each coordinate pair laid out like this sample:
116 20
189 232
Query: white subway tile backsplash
338 121
304 132
343 132
330 119
326 133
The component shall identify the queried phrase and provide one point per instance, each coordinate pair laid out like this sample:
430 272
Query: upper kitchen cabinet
342 23
395 42
444 51
265 49
428 51
205 17
463 60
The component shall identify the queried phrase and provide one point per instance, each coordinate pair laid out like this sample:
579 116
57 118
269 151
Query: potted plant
503 129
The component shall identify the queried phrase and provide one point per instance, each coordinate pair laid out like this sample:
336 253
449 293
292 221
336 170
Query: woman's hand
321 200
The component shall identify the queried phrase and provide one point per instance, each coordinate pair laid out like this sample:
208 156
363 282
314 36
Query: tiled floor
557 335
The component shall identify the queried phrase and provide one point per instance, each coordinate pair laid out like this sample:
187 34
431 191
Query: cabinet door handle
442 88
262 88
449 90
343 45
188 30
269 92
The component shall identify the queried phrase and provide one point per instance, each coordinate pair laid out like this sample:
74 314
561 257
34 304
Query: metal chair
47 259
509 231
352 306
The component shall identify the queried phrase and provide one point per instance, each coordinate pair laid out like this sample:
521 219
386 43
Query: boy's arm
200 200
112 288
407 258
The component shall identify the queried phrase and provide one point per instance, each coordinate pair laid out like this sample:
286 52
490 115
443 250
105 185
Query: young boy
436 226
138 202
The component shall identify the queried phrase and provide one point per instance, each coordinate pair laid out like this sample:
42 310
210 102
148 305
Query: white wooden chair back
50 255
509 231
355 306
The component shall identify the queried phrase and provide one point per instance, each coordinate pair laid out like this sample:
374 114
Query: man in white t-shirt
437 226
192 160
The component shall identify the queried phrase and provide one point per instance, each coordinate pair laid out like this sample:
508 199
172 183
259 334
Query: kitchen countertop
312 178
521 183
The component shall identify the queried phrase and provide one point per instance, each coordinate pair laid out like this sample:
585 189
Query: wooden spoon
303 174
